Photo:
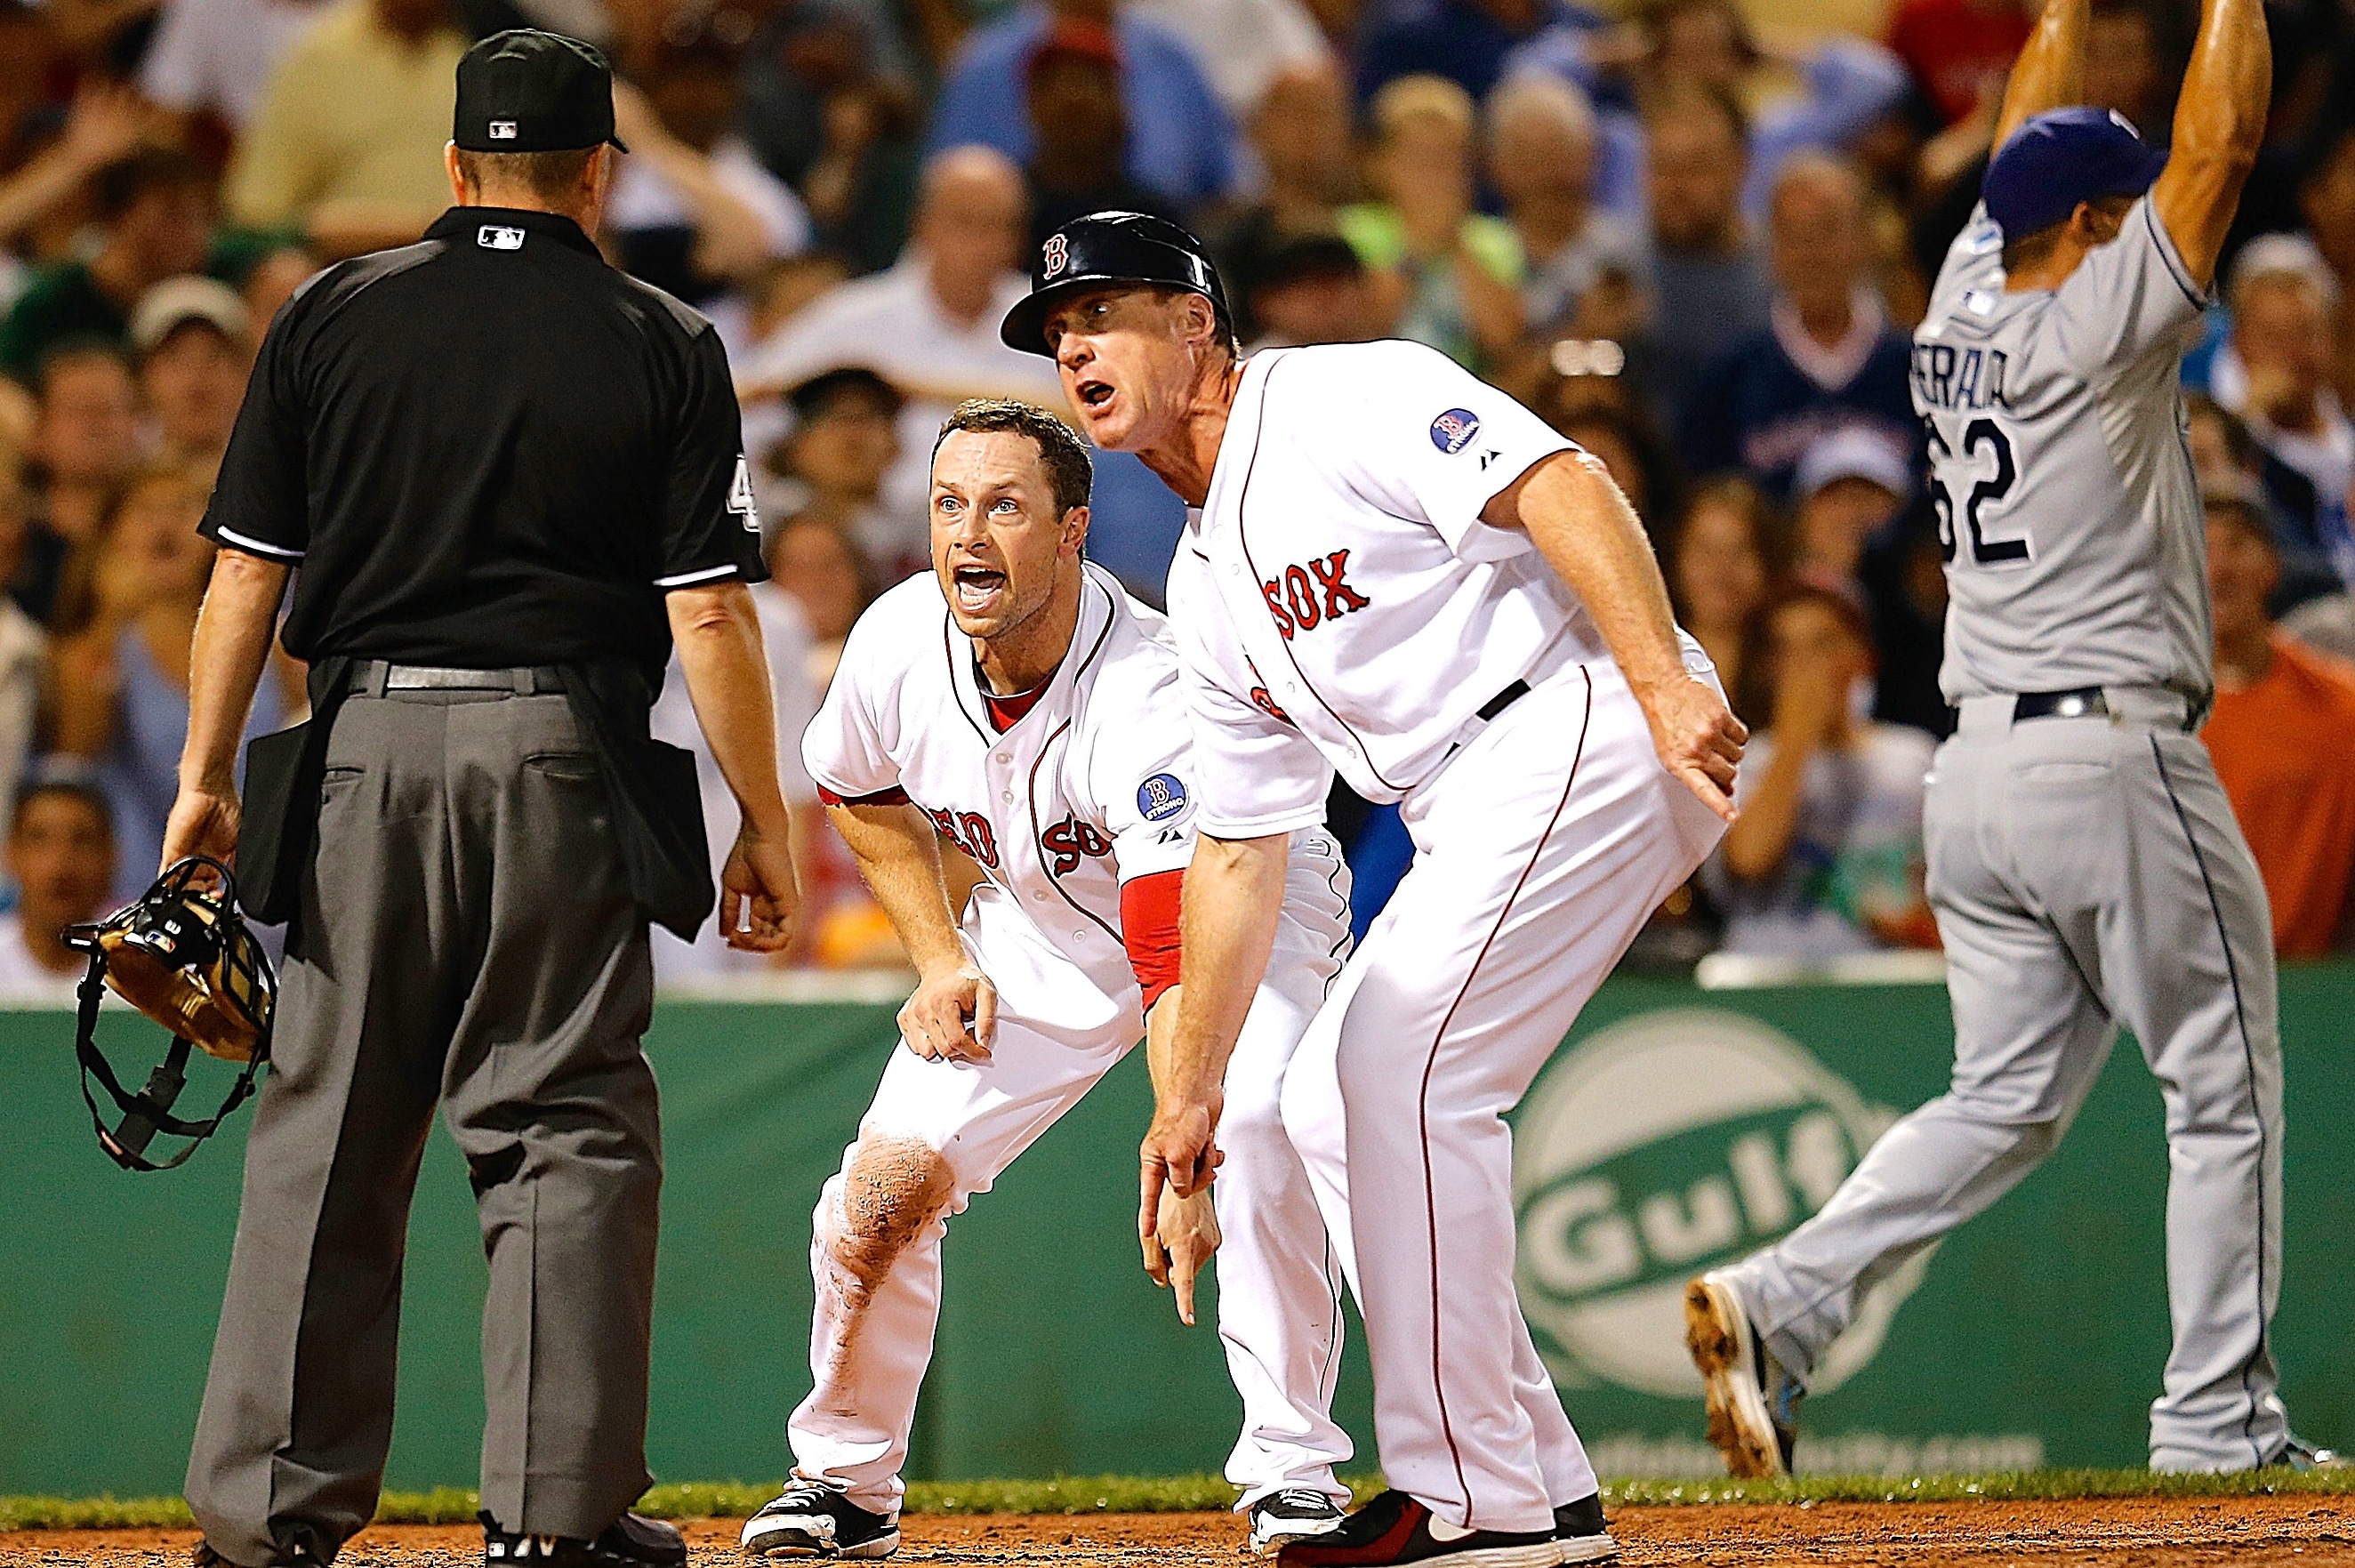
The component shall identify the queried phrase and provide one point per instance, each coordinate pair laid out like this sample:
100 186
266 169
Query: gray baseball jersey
2067 511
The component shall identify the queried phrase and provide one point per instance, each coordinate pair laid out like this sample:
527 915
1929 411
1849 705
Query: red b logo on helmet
1056 253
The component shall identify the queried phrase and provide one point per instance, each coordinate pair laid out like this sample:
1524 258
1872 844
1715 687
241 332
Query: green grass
1182 1494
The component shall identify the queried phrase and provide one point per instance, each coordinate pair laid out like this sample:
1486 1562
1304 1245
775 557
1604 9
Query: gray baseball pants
2086 873
467 940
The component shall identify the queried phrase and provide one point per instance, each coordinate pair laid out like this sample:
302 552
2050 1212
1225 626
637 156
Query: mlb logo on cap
503 130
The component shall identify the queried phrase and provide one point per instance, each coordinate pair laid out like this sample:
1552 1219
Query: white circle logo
1675 1142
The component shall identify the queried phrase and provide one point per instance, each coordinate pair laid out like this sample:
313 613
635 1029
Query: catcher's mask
181 955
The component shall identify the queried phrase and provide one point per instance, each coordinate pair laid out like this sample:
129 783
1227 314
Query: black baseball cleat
300 1553
810 1519
1579 1528
1295 1513
1753 1400
629 1541
1394 1528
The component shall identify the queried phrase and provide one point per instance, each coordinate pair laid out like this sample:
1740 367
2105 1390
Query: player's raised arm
2220 127
2050 71
952 1014
1587 532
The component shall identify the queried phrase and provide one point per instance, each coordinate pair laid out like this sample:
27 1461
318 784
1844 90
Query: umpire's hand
760 893
203 822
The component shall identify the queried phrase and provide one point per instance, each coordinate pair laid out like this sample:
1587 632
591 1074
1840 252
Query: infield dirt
2143 1532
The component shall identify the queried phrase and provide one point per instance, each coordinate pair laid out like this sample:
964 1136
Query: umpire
511 476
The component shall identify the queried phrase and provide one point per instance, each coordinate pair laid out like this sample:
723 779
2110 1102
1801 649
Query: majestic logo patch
498 237
503 130
1057 255
1453 430
1160 797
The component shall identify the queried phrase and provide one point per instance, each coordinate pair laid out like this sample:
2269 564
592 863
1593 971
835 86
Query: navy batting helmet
1110 248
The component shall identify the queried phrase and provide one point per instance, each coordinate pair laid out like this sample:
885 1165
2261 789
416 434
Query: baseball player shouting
1037 721
1397 571
2084 867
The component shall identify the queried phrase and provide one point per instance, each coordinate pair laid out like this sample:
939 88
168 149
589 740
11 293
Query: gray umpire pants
2086 872
468 941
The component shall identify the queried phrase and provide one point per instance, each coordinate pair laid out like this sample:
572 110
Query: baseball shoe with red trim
1394 1528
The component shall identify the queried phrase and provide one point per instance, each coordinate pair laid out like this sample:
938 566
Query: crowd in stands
1694 235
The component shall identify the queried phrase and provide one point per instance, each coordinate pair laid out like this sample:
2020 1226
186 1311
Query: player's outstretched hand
1698 737
1184 1234
760 893
951 1017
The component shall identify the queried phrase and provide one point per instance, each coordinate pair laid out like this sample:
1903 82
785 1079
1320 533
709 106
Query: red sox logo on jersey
1068 841
1265 699
969 831
1056 256
1310 593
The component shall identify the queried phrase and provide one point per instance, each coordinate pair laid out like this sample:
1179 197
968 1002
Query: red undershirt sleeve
1148 926
892 796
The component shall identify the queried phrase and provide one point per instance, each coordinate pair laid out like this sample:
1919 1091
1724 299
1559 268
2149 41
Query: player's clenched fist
1698 737
951 1017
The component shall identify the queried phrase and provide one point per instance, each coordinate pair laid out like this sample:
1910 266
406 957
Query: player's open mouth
1094 394
977 588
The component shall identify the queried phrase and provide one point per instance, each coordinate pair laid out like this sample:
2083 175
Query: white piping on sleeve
683 579
246 542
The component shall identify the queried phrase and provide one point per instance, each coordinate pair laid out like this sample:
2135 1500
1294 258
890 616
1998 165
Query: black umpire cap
1110 248
524 91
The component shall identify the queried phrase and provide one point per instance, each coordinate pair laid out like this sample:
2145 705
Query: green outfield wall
1677 1128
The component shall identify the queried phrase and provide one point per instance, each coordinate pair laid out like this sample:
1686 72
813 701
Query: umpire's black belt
375 678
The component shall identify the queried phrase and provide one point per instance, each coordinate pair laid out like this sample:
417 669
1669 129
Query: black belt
1504 699
2085 702
375 678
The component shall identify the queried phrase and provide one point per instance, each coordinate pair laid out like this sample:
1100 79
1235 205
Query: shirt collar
554 225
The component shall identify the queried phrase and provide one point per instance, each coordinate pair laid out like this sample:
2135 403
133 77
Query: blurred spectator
831 468
23 646
347 143
1847 488
830 103
1541 158
126 618
827 576
1721 559
2275 372
1828 358
2279 737
1467 41
1826 856
2326 198
1079 132
1904 582
1314 290
86 440
2126 69
271 281
929 325
1244 46
1960 51
1181 142
155 215
1302 133
62 858
2226 456
1450 274
217 55
693 212
1711 284
195 342
103 126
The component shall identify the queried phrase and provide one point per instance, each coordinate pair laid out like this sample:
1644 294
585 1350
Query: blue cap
2062 157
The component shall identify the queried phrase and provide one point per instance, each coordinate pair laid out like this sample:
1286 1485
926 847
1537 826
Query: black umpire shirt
488 449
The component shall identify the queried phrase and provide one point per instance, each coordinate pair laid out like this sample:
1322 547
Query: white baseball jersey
2068 514
1337 601
1088 790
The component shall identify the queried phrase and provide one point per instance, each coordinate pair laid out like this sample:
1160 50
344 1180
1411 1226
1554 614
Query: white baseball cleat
1295 1513
812 1520
1751 1399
